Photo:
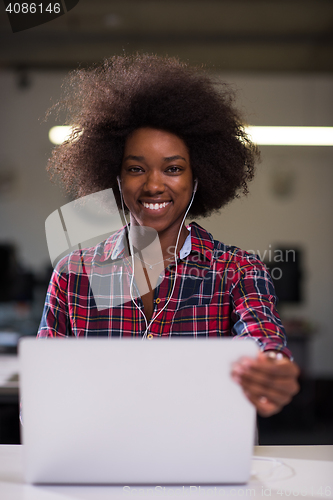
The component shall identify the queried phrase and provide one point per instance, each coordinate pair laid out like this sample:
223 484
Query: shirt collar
115 247
201 241
186 248
198 240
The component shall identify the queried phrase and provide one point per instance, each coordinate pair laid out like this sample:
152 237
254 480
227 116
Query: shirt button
150 336
158 301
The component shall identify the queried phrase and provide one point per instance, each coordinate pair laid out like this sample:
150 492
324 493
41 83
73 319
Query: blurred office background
278 56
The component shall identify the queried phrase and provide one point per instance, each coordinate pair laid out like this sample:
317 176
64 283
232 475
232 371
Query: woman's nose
154 183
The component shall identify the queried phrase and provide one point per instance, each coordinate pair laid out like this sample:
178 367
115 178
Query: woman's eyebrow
142 158
175 157
133 157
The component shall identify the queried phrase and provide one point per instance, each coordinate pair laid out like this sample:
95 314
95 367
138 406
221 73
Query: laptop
127 411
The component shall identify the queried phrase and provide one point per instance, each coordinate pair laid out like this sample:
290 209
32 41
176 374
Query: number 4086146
32 8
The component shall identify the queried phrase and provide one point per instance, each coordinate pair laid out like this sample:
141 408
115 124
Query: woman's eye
173 169
134 169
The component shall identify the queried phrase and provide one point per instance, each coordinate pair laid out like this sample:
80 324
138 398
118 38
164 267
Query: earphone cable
132 258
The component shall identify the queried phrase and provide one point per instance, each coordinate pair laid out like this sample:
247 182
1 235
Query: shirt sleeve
254 307
55 318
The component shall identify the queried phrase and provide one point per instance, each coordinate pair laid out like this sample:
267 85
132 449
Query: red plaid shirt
220 291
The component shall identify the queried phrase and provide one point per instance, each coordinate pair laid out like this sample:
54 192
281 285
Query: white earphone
148 324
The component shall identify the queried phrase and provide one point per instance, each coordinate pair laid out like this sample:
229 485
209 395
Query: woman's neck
168 242
153 242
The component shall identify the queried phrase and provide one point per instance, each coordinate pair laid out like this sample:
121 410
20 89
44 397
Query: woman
169 143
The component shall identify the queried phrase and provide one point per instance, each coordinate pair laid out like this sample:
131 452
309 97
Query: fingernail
275 355
237 369
245 363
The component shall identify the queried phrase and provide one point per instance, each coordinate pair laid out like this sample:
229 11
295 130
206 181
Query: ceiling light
291 136
58 135
263 136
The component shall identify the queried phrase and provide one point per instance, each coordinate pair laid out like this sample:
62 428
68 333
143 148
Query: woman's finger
284 385
264 364
264 406
271 393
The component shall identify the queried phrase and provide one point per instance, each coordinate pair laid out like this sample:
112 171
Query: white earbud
119 183
195 186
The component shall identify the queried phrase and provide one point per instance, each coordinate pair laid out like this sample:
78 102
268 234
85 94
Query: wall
24 149
302 218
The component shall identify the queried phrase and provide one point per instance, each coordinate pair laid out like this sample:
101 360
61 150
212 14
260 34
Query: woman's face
156 178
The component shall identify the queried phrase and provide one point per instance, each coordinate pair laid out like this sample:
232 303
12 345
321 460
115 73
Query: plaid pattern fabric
220 291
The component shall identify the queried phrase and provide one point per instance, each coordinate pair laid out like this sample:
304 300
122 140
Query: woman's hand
269 381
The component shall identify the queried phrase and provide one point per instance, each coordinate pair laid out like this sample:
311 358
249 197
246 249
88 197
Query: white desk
303 471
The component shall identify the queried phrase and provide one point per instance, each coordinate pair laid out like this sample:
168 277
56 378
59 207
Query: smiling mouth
155 206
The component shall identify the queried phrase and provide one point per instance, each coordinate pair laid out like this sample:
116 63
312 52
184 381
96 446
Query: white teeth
155 206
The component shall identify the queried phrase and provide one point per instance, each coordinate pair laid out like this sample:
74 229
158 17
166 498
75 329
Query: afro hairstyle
107 102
